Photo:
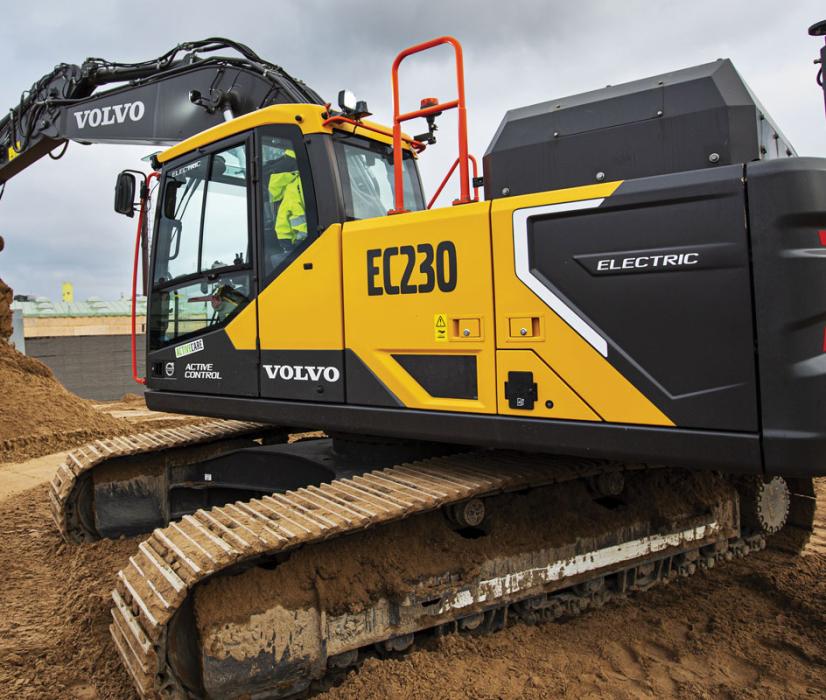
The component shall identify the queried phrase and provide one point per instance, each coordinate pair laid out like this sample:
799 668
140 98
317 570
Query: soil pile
5 311
38 415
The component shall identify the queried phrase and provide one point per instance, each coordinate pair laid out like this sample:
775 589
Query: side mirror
125 194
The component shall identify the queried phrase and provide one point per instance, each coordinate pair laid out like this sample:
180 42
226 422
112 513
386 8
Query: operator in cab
287 198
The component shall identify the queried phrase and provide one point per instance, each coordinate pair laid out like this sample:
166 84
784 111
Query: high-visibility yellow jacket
291 220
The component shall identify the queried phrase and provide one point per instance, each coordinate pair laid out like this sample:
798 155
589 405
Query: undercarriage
274 568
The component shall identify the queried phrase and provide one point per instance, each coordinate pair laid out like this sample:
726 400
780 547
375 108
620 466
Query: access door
300 328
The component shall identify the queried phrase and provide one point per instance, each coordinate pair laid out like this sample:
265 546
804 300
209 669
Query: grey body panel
699 117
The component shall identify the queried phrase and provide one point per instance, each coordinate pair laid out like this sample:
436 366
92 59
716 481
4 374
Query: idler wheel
764 504
468 513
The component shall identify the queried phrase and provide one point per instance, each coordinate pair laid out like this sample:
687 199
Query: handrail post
398 118
138 241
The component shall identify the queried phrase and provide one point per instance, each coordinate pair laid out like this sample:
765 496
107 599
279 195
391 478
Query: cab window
202 265
368 179
288 215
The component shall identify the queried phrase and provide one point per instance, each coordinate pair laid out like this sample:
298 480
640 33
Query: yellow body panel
564 403
309 118
380 325
301 309
243 329
570 356
324 301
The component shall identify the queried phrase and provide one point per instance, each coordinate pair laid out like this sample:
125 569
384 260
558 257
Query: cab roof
308 117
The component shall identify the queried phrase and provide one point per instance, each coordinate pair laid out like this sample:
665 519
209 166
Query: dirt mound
5 311
56 641
38 415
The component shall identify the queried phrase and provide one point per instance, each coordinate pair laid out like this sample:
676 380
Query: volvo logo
114 114
302 373
169 369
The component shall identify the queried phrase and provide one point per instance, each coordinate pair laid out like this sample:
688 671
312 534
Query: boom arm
158 102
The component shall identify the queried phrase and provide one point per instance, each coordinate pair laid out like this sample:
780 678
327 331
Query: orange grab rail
447 177
458 103
141 217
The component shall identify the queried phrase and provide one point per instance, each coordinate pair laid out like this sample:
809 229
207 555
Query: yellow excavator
600 368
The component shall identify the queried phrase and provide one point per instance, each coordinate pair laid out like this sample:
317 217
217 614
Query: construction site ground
755 628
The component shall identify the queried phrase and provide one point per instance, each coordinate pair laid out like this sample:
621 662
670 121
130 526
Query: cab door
299 308
203 276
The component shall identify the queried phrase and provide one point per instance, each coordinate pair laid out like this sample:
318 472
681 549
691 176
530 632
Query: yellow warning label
13 153
440 327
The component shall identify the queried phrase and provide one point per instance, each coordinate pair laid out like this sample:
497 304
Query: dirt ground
750 629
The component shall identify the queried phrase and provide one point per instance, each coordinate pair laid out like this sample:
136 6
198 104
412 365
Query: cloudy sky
57 217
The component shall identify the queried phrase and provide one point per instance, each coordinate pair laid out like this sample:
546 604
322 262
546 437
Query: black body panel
700 117
661 271
787 217
698 449
305 375
363 386
216 369
443 376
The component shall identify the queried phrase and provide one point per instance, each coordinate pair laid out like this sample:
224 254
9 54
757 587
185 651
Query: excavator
600 368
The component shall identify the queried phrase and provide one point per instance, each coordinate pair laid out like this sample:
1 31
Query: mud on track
753 629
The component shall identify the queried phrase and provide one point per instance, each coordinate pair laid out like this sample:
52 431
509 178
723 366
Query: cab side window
368 178
288 206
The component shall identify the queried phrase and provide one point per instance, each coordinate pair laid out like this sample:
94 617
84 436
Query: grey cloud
57 217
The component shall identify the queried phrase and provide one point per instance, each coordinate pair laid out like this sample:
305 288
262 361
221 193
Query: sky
57 217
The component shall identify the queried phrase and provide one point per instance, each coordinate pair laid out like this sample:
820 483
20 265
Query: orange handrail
447 177
458 103
141 218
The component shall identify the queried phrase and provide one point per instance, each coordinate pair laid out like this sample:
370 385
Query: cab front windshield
202 272
368 180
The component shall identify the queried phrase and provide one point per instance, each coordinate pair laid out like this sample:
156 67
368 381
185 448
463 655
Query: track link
161 576
64 489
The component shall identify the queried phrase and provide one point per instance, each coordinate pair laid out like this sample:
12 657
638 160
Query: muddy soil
6 297
38 415
346 574
54 641
752 629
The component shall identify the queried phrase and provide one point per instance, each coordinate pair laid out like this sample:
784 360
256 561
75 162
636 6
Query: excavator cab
241 208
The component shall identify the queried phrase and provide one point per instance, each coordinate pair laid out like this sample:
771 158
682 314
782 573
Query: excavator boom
157 102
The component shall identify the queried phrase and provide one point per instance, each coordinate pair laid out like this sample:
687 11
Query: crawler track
153 614
66 490
160 578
